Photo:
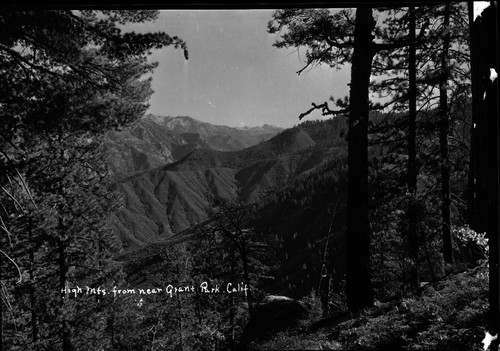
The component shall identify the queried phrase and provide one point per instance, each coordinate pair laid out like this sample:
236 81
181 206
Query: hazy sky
234 76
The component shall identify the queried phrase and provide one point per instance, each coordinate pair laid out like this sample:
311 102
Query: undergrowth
449 315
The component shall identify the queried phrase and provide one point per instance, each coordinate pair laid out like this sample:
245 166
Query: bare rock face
276 313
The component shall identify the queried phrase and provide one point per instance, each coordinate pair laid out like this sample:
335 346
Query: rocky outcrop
276 313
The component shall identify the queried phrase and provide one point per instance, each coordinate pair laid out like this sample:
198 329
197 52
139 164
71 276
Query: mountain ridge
158 140
177 195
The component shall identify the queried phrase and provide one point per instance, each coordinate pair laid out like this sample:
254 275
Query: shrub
313 302
289 341
469 240
448 317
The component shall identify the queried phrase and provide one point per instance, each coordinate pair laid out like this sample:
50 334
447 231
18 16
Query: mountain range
297 177
157 140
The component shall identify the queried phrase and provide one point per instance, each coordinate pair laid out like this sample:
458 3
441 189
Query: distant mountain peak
190 122
156 141
168 197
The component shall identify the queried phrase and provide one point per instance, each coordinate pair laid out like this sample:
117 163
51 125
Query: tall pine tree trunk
63 267
493 226
491 180
359 289
232 312
246 278
472 189
1 312
179 323
412 154
323 290
33 303
443 142
490 160
487 160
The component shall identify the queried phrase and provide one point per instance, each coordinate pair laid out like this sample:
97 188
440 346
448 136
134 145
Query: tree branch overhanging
19 58
315 58
325 110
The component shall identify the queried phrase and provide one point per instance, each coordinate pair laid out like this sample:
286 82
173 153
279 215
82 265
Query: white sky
479 6
234 76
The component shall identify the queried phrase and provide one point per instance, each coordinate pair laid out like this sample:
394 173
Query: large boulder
274 314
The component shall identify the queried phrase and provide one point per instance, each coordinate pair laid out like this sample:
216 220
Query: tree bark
323 290
246 278
412 154
444 128
472 189
63 267
33 303
179 321
231 304
65 333
487 162
1 314
359 289
493 210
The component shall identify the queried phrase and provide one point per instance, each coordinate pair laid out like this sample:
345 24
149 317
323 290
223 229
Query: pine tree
412 151
488 131
67 77
443 142
331 39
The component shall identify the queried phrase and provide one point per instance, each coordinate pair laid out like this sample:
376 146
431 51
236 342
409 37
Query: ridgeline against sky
234 75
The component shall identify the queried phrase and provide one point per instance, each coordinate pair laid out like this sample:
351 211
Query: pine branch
318 57
325 110
402 43
18 57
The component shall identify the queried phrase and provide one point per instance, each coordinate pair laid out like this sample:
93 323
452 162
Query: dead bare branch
15 264
325 110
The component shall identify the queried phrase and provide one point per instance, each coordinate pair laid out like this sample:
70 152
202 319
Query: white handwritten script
170 290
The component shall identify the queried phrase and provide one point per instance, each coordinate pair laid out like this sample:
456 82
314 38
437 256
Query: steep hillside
163 201
159 203
287 142
155 141
306 215
298 178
